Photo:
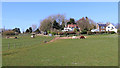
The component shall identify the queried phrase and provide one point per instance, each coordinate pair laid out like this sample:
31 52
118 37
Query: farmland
95 50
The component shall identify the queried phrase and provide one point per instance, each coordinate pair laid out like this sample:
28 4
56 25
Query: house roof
72 25
101 24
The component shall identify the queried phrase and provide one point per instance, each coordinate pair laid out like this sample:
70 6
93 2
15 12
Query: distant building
111 27
71 27
104 27
101 26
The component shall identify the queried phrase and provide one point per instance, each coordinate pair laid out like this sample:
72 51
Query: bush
8 33
76 30
70 32
90 33
103 32
84 32
48 32
53 33
61 33
78 33
111 32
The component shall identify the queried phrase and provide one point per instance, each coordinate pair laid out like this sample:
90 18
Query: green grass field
95 50
23 41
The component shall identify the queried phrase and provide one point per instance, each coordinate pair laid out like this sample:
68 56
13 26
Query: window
102 30
102 27
108 27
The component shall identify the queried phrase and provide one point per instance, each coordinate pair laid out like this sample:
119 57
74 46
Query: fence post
8 45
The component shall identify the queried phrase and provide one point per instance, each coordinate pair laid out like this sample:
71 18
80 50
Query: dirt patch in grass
56 38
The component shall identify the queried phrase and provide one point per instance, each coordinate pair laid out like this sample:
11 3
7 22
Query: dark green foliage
111 32
68 23
71 32
17 30
27 31
67 33
90 33
103 32
53 33
72 21
48 32
76 30
30 29
37 31
63 25
56 25
84 32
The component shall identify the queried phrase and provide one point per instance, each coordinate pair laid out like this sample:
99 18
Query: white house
111 27
94 30
70 27
104 27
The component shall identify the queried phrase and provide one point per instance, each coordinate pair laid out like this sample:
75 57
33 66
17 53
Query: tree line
58 22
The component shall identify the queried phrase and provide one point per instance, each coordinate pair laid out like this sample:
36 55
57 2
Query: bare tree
34 27
92 24
47 23
58 17
86 24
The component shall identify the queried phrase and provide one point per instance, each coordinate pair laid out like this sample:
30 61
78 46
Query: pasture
95 50
22 41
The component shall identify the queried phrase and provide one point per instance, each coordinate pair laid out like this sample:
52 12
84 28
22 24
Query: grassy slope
95 50
23 41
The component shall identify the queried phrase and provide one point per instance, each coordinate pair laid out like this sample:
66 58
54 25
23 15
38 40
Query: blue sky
24 14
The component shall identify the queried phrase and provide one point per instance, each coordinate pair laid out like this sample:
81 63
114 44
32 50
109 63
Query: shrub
84 32
67 33
48 32
76 30
78 33
103 32
8 33
61 33
71 32
58 33
53 33
90 33
111 32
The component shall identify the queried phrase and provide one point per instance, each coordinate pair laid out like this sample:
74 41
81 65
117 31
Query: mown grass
96 50
23 41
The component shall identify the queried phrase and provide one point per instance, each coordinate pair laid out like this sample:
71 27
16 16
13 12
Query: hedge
8 33
103 32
